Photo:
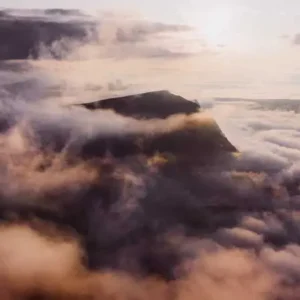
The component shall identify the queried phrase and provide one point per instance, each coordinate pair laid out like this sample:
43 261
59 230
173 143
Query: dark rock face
194 140
151 105
22 37
191 143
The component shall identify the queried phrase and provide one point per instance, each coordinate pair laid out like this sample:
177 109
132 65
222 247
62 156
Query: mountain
150 105
196 138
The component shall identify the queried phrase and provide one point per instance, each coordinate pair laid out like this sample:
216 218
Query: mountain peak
159 104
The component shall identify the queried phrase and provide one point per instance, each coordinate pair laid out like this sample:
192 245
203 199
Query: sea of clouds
140 233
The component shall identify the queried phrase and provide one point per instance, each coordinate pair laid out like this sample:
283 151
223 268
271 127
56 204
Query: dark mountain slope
157 104
196 138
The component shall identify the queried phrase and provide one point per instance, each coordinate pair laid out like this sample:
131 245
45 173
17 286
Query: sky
254 44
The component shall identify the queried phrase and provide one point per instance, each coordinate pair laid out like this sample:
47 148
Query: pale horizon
240 48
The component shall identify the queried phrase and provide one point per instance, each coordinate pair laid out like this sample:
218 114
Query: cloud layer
68 34
230 228
79 225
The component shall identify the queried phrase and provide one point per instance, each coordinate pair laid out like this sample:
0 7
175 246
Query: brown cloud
51 268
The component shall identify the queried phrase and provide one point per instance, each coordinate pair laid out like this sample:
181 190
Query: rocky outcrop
151 105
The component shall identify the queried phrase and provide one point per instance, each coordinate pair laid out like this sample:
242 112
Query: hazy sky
255 42
273 16
243 24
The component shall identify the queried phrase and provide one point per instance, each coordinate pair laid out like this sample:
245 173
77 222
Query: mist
96 204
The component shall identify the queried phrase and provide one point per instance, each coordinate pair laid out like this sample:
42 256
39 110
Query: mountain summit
150 105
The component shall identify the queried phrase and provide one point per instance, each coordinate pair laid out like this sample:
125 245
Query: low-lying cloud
40 269
229 229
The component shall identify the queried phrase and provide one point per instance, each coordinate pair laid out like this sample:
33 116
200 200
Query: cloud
50 266
285 36
71 35
117 36
148 52
215 231
240 237
227 229
118 85
142 31
296 39
267 131
140 39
